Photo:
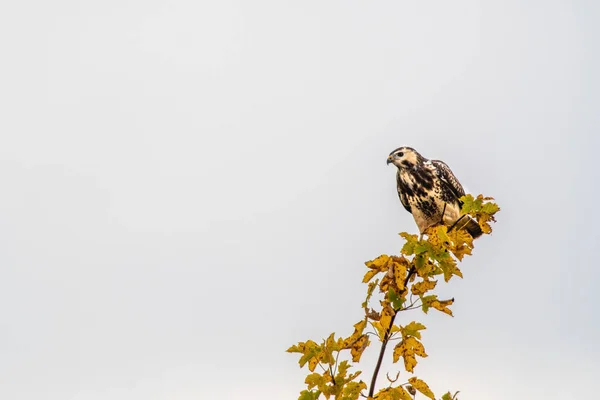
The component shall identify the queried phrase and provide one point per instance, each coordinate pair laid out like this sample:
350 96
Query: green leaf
394 299
413 329
409 247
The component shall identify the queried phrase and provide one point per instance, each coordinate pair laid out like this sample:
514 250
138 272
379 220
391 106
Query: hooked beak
389 160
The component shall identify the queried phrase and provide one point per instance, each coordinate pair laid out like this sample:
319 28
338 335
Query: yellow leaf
331 344
312 364
359 327
462 243
422 387
401 266
442 305
379 329
379 264
314 379
408 348
386 315
352 390
449 268
395 393
423 287
369 275
358 347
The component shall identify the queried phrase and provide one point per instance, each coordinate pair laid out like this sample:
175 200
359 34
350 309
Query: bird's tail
471 226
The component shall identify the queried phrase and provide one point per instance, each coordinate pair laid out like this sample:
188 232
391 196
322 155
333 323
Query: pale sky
191 187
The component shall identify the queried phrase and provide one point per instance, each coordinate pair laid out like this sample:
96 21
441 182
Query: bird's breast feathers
425 195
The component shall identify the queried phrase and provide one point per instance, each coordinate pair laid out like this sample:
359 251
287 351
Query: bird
430 192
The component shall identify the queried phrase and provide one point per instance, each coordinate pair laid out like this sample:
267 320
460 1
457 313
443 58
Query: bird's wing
448 179
402 193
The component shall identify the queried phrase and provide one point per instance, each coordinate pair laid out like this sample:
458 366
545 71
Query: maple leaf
394 299
408 349
358 347
449 268
442 305
380 264
395 393
422 387
400 268
462 243
352 390
386 315
309 395
359 327
423 287
433 301
314 379
412 329
411 241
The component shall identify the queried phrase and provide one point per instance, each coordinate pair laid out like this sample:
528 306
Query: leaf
394 299
442 305
358 347
413 329
462 243
408 349
359 327
312 364
441 233
370 289
369 275
401 266
380 264
422 387
342 369
386 315
449 269
372 314
314 379
422 287
409 247
379 329
309 395
469 204
396 393
352 390
490 208
449 396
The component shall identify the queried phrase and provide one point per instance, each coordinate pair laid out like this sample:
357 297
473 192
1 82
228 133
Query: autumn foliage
399 283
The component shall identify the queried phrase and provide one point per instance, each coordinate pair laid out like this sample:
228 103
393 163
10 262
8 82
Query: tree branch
386 337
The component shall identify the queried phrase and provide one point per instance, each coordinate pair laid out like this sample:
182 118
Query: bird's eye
400 154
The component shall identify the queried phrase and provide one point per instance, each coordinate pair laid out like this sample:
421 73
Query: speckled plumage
429 191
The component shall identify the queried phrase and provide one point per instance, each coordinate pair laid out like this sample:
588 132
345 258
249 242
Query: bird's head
405 157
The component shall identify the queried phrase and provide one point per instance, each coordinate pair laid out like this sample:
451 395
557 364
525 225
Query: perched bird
429 191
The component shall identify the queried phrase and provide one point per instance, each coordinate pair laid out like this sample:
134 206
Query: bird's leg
443 214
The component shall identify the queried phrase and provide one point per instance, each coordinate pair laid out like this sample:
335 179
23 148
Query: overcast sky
190 187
